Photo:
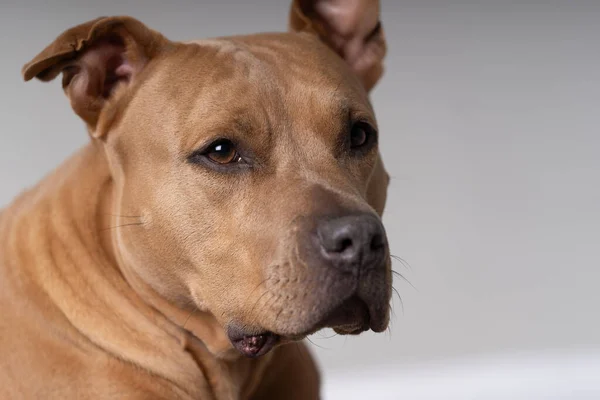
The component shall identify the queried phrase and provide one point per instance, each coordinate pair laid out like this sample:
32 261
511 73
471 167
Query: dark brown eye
359 135
223 152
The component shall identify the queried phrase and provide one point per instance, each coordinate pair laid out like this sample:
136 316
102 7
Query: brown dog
227 206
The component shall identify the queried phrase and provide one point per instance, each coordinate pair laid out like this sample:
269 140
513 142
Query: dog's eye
361 135
222 151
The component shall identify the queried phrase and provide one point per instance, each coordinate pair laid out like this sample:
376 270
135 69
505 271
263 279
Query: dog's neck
82 273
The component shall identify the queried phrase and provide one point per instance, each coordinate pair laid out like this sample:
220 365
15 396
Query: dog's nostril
345 244
377 242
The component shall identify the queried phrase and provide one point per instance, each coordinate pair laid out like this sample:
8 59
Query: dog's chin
352 317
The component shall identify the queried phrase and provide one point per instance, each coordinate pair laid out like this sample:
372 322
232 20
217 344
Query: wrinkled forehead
287 58
268 80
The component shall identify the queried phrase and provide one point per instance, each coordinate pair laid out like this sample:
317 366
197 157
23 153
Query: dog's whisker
327 337
303 355
191 313
314 344
392 310
402 261
270 301
389 331
122 226
259 285
399 298
190 316
266 304
278 314
188 303
124 216
399 275
258 300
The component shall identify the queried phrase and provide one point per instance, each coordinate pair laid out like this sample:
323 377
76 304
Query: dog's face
250 173
252 165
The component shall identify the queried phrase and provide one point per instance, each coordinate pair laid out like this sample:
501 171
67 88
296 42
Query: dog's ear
352 28
96 58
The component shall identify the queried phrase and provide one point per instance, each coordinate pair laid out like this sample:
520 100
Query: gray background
489 115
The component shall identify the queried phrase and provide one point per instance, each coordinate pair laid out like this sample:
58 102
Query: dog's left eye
361 135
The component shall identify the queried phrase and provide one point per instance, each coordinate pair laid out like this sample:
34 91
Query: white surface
552 376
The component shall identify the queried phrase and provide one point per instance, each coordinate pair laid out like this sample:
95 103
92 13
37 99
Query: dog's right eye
222 151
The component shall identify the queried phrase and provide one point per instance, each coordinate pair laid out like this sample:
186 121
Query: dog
227 205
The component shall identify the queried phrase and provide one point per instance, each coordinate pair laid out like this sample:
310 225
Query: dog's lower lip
253 346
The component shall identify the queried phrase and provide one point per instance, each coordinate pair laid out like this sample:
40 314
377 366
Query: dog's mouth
352 317
252 345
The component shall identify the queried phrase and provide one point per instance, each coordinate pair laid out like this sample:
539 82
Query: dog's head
251 162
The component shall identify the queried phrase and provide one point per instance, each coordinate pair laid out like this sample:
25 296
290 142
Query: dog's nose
352 242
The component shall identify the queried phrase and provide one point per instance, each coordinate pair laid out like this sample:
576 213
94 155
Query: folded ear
96 58
350 27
